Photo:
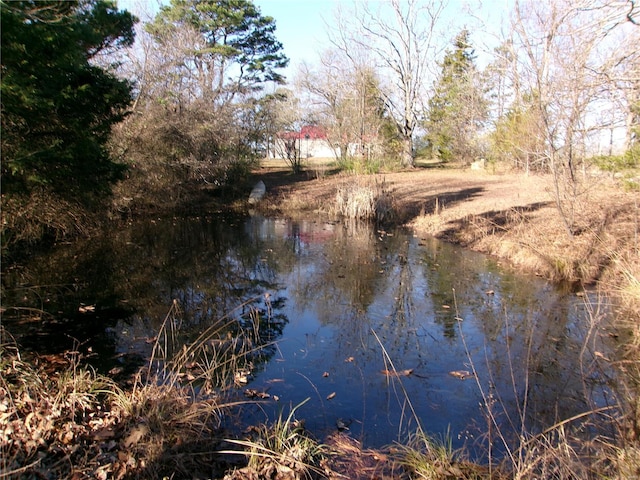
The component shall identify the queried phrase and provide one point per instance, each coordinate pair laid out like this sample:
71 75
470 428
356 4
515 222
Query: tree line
103 113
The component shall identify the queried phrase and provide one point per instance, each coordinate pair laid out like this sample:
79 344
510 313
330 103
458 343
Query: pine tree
457 108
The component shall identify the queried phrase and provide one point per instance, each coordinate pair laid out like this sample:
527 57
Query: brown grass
509 215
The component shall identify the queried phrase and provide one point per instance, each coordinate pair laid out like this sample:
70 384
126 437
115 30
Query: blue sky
301 28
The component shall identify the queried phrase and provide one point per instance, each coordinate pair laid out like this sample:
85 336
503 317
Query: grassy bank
512 216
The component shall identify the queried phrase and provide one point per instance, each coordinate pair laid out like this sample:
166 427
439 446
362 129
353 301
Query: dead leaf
331 395
461 374
600 355
349 359
253 393
103 434
136 434
342 425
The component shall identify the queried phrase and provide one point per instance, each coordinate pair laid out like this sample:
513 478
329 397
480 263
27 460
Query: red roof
311 132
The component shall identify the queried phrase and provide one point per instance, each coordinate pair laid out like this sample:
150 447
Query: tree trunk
407 152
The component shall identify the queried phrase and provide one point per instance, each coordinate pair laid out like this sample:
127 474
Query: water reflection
349 302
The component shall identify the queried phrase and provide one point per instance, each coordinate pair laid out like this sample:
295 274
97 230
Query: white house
311 141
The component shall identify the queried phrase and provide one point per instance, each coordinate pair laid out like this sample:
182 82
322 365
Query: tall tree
401 39
58 109
346 97
457 108
57 106
574 54
199 71
216 49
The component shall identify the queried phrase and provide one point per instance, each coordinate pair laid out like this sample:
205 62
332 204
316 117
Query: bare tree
572 55
400 36
346 98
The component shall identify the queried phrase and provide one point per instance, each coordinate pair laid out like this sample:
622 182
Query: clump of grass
628 288
281 450
556 453
364 201
425 458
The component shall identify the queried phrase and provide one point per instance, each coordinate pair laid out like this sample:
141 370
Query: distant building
311 141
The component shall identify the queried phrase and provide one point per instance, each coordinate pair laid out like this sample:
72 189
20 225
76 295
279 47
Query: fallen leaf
137 433
461 374
103 434
331 395
349 359
342 425
253 393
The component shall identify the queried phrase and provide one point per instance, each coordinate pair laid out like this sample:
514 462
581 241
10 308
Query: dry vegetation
69 422
509 215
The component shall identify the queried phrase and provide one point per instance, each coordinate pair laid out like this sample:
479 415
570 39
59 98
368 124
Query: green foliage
57 107
626 164
618 163
517 138
233 32
457 108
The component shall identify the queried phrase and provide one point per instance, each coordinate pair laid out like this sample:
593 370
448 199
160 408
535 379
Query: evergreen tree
457 108
57 106
220 48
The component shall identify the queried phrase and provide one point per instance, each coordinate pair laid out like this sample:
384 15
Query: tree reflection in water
320 290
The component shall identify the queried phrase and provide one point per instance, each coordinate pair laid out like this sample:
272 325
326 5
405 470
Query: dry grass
73 422
77 424
30 218
428 459
511 216
281 450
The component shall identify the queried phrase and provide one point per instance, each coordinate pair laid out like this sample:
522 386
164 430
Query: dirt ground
510 215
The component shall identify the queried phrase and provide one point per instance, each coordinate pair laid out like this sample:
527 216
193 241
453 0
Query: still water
375 328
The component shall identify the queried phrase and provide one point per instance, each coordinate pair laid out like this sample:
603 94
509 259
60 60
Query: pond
380 330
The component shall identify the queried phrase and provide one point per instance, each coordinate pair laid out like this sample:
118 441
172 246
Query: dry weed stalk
76 422
365 201
559 451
